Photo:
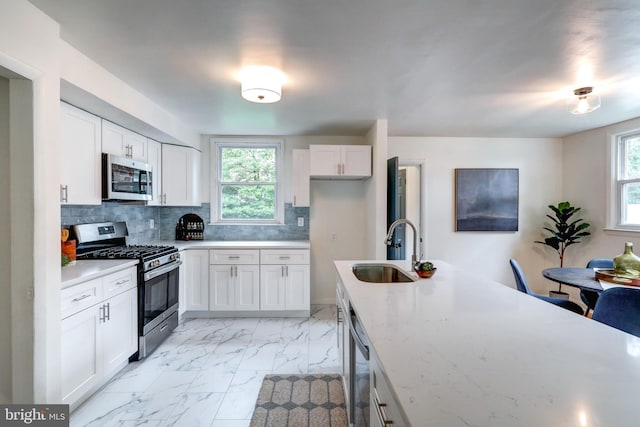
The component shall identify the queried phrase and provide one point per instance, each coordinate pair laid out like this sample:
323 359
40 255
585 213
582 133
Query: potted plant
425 269
567 231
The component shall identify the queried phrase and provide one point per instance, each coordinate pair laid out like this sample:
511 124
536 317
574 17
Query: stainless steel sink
380 273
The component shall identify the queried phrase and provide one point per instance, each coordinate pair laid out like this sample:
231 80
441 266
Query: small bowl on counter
425 269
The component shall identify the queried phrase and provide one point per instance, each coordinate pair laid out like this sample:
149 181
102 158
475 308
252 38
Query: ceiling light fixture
262 84
583 102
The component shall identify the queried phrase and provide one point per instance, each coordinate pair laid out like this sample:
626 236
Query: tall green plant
568 230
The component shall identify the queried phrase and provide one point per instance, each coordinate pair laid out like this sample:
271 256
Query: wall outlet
301 221
152 224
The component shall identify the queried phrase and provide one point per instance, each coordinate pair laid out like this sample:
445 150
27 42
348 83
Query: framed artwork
486 199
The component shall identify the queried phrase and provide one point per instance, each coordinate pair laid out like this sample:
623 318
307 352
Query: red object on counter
69 249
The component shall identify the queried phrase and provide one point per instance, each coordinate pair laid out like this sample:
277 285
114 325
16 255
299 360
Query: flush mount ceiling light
583 102
262 84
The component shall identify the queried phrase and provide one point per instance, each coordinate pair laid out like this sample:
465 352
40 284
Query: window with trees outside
628 180
248 184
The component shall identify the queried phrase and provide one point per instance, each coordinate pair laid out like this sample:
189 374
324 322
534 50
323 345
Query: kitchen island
460 350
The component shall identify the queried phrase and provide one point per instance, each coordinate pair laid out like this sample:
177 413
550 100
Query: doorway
404 200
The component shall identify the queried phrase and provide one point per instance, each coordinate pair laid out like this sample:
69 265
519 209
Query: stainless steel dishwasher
359 372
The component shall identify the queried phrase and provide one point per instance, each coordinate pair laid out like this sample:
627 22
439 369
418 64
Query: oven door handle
162 270
356 338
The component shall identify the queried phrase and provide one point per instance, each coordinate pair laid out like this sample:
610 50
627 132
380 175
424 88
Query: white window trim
614 202
214 143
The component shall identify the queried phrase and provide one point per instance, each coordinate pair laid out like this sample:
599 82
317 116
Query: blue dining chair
619 308
590 298
522 285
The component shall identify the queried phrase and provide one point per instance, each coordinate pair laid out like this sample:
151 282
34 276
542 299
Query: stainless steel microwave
125 179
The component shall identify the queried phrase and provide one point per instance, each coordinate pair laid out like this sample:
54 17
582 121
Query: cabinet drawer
119 282
284 256
234 256
77 298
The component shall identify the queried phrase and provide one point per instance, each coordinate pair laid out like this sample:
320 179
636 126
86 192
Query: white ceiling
494 68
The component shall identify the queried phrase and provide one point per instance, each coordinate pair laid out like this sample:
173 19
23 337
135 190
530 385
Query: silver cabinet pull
234 257
64 193
101 315
381 416
122 282
285 257
108 311
80 298
236 270
286 269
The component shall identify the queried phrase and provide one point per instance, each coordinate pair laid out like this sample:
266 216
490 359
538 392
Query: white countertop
83 270
460 350
219 244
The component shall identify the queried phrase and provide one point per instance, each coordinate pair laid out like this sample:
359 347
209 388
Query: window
247 184
627 180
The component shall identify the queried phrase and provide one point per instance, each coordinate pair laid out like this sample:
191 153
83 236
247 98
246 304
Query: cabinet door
324 160
81 165
272 287
384 409
196 265
300 178
81 354
247 287
180 175
119 330
222 294
356 160
122 142
154 158
297 283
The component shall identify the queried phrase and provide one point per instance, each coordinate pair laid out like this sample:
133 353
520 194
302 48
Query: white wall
376 192
540 164
29 47
337 219
585 177
5 264
337 207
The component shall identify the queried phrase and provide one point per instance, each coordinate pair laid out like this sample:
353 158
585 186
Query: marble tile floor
209 371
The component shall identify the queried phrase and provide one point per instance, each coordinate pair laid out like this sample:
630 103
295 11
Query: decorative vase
627 263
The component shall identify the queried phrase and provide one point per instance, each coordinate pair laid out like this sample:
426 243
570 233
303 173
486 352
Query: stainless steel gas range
158 277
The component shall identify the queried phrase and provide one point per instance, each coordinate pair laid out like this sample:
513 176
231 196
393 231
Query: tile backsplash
165 218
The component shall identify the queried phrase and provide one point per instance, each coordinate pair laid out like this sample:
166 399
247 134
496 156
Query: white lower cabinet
284 287
196 267
383 406
247 280
119 330
284 279
81 355
342 327
234 288
97 339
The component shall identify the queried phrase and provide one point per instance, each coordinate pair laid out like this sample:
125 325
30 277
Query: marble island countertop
460 350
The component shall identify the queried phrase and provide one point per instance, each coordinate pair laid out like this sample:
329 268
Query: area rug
306 400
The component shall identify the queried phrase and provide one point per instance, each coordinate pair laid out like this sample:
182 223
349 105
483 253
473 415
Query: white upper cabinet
340 161
80 167
122 142
154 158
300 175
180 176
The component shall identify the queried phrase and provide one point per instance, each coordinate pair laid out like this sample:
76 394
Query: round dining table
583 278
